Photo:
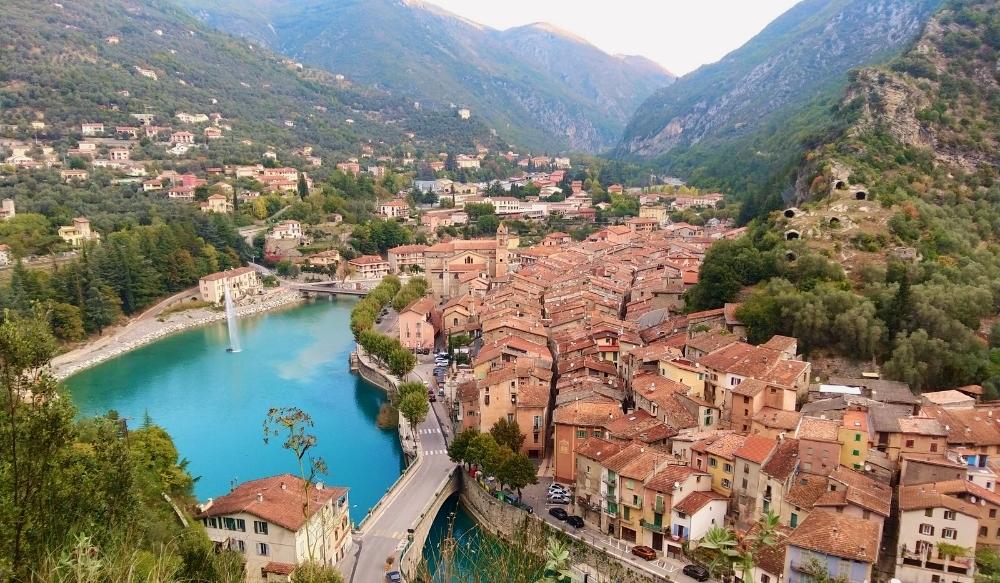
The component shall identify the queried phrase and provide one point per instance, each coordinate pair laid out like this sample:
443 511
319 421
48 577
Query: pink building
417 324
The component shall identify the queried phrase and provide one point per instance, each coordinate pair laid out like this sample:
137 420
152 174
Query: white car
558 488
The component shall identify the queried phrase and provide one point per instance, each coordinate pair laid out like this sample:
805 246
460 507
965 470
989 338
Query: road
386 535
662 566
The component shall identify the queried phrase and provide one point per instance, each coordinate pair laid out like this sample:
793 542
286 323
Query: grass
184 306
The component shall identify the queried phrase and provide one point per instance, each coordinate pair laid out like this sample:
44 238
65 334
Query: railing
660 528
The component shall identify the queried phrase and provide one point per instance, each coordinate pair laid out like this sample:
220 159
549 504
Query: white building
927 520
280 522
242 282
691 518
287 230
394 209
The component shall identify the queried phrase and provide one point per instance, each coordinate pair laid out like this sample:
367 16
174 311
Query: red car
644 552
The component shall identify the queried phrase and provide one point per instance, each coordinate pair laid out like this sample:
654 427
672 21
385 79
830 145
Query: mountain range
77 61
536 85
742 123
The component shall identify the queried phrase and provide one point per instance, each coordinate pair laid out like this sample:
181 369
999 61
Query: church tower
503 255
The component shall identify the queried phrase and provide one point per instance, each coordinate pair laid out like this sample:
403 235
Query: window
855 452
793 521
712 462
260 527
727 468
212 522
909 443
927 529
581 433
857 437
993 512
746 468
744 483
727 484
242 547
949 533
934 446
229 523
929 512
983 531
597 433
949 515
626 514
764 578
263 550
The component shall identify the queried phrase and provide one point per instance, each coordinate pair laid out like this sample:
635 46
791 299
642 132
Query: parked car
431 397
559 513
441 392
696 572
558 500
644 552
575 521
558 489
393 577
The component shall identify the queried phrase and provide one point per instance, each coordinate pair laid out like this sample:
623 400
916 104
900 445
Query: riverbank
148 328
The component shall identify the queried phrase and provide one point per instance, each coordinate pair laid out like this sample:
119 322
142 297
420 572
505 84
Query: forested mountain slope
742 123
893 250
536 85
77 61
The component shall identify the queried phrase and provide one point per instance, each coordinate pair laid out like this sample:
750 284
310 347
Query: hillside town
661 426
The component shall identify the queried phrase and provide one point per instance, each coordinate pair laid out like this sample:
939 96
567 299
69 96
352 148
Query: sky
680 35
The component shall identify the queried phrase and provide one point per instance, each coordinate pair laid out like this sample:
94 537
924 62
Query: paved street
386 534
535 496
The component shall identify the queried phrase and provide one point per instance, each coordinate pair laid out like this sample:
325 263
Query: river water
213 403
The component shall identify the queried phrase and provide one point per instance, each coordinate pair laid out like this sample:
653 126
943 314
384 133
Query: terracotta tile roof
277 499
777 418
726 446
695 501
756 448
784 460
966 488
597 449
643 465
817 429
772 559
780 343
367 260
806 490
861 490
594 411
712 341
923 496
922 426
642 426
423 306
750 387
663 481
973 426
856 420
948 397
278 568
408 249
838 535
227 274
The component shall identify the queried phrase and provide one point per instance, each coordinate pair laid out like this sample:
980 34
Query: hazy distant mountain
536 85
804 53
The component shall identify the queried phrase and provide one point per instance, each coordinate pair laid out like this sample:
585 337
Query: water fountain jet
234 332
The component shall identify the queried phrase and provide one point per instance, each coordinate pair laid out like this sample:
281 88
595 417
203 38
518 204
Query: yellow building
855 439
685 372
722 462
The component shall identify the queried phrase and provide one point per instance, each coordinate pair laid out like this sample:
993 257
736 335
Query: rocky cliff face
803 55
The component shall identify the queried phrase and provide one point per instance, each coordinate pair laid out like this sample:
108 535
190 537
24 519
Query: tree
458 448
507 432
721 545
484 452
313 572
302 187
292 424
414 408
517 471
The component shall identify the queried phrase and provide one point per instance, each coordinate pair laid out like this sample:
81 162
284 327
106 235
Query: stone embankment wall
185 321
368 369
413 554
509 522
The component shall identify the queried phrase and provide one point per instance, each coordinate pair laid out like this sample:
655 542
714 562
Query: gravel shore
146 330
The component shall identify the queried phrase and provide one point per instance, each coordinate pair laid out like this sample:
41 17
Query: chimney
319 485
283 486
260 496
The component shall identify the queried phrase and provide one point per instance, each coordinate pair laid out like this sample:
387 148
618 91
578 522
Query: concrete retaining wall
507 522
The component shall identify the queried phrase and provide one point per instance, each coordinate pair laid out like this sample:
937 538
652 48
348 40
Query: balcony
611 481
660 528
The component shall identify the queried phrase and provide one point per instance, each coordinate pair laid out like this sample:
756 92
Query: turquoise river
214 403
